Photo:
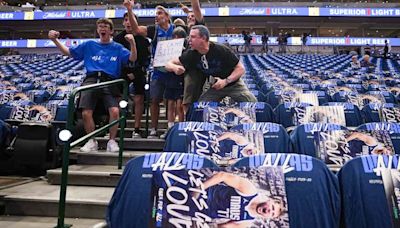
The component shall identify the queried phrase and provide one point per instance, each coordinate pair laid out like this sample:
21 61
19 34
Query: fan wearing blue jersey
103 61
233 201
374 146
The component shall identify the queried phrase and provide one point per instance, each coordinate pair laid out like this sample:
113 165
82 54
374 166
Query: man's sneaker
112 146
90 146
136 135
152 135
164 135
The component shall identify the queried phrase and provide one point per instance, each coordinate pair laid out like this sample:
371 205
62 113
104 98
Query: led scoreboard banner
208 12
232 40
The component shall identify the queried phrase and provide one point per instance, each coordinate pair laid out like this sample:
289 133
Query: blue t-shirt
107 57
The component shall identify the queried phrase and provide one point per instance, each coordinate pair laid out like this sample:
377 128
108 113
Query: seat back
312 190
131 204
34 147
363 199
352 113
276 139
176 136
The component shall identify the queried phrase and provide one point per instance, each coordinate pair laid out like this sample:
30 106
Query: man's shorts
88 99
174 87
193 86
157 88
138 83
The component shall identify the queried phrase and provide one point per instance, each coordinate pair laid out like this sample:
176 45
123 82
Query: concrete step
129 131
104 158
47 222
162 123
87 175
135 144
41 199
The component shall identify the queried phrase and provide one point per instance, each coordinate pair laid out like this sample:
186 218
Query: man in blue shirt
103 61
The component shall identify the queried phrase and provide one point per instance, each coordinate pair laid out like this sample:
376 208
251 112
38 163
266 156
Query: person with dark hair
264 40
136 72
216 60
103 61
386 50
192 78
162 30
194 16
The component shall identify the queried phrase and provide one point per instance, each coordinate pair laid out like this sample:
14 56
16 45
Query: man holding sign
161 31
216 60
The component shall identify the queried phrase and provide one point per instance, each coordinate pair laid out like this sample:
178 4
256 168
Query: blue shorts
174 87
173 94
157 88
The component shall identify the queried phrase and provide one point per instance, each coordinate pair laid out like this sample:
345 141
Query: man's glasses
204 62
103 26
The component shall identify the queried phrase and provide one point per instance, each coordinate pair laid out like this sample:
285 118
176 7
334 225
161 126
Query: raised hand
53 34
129 4
130 38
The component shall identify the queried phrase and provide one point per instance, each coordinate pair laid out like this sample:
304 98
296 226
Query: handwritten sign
167 50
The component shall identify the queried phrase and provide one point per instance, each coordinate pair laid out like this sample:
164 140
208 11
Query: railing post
67 146
122 124
65 164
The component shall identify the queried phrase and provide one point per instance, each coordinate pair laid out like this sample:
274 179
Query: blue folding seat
264 112
363 199
344 96
131 204
352 113
38 96
276 139
175 139
303 136
312 190
323 97
375 112
23 87
195 112
393 130
389 97
290 113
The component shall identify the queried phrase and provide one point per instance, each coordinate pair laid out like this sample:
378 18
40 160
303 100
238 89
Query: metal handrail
68 145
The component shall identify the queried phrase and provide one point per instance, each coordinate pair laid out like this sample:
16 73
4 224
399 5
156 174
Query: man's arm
175 66
53 36
239 183
140 30
131 40
236 74
197 10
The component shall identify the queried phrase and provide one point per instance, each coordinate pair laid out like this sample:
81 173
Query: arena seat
312 190
175 139
363 198
132 204
276 139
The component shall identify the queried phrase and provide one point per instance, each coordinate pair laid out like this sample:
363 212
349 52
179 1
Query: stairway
92 178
